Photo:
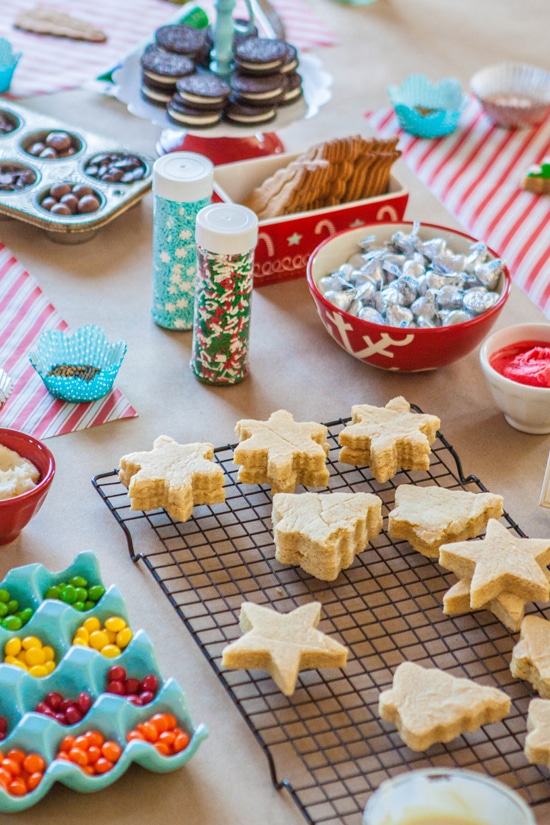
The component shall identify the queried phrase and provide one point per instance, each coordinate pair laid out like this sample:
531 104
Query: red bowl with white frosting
17 511
409 349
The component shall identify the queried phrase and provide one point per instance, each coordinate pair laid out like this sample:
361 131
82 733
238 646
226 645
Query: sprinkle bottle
226 236
182 186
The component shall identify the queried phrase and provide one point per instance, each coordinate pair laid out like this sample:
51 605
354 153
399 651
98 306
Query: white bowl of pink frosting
516 365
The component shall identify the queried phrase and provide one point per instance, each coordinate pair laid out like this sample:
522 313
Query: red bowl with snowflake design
408 349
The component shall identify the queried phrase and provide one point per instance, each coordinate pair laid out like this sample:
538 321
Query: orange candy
91 752
161 731
20 772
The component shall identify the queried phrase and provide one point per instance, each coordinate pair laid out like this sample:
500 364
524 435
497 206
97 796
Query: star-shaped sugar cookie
428 705
323 532
428 517
283 644
388 439
537 741
282 452
506 607
531 655
500 562
174 476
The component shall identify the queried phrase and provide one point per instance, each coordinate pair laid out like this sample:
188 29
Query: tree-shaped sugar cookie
428 705
323 532
531 655
283 644
428 517
537 741
388 439
500 562
282 452
174 476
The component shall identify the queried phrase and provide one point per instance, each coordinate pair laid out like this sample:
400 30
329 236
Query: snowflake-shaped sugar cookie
174 476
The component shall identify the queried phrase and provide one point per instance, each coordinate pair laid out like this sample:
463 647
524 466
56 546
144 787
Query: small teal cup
8 63
426 109
79 367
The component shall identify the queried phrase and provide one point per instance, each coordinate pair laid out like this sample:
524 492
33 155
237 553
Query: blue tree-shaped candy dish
80 668
427 109
78 367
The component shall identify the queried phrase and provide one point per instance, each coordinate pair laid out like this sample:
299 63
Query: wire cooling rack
327 744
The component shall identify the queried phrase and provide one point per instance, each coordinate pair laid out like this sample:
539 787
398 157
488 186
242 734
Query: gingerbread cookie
500 563
428 705
323 532
388 439
531 655
282 452
283 644
428 517
46 20
174 476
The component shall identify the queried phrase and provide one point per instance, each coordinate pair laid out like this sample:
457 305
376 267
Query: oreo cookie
292 89
160 68
260 55
203 90
182 39
242 115
157 95
257 91
184 115
291 60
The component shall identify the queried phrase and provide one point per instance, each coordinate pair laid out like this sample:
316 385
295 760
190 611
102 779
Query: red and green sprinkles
222 316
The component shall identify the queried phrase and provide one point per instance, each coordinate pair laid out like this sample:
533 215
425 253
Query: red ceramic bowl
15 513
393 348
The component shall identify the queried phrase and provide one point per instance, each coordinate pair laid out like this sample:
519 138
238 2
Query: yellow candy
123 637
83 634
38 671
115 623
12 647
35 656
30 642
11 660
49 653
19 663
98 639
110 651
92 623
49 666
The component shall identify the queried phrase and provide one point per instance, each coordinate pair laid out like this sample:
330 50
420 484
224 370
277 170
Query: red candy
91 751
63 710
139 692
161 731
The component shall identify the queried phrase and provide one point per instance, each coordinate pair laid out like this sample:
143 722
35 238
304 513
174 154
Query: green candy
13 606
52 592
12 623
88 604
4 595
26 614
79 605
3 610
68 594
95 592
81 594
78 581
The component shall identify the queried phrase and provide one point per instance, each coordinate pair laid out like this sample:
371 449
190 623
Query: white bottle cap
183 177
227 228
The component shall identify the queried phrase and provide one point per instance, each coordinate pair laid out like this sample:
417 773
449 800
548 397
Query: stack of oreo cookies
175 75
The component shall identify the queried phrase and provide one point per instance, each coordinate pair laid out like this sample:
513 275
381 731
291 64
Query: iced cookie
537 741
500 563
428 517
388 439
428 705
174 476
531 655
282 452
283 644
323 532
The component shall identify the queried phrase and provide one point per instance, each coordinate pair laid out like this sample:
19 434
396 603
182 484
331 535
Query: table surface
107 280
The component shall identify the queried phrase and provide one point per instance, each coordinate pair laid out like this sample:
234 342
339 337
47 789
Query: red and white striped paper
26 312
51 64
476 172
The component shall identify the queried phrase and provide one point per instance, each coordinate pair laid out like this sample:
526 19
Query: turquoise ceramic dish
81 668
88 349
426 109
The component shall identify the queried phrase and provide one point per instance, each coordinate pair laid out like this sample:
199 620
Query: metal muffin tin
24 204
